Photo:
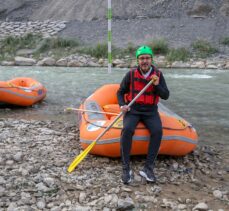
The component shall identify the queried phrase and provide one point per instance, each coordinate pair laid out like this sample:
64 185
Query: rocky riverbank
25 57
80 60
34 156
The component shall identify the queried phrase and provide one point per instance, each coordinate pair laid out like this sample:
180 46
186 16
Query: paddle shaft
121 113
91 111
83 154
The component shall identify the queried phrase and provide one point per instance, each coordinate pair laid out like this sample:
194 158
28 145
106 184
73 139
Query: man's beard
145 67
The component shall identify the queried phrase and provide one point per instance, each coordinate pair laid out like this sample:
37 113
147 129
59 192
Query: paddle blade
80 157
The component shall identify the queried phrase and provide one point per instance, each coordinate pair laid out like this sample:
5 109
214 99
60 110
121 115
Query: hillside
96 9
137 21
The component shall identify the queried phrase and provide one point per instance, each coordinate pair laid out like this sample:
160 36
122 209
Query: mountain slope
122 9
180 22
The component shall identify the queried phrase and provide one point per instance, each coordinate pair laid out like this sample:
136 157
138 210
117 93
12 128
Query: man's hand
125 108
155 79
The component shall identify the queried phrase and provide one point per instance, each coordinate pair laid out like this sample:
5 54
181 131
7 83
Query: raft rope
17 87
30 88
138 128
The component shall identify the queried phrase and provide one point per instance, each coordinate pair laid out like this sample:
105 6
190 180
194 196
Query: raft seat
111 108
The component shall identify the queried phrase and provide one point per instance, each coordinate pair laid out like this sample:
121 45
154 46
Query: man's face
145 61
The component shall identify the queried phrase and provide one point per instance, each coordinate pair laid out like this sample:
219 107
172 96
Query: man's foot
127 176
148 174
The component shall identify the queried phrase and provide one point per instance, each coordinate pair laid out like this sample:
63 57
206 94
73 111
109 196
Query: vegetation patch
10 45
38 47
179 54
98 51
225 41
203 48
159 46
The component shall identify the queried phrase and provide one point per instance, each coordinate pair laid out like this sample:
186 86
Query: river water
199 96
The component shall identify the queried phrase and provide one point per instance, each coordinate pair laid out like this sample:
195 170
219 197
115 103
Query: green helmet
144 50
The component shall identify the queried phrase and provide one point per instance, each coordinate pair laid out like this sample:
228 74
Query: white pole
109 16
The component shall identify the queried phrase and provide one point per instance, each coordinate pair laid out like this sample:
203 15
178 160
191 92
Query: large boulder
48 61
23 61
62 62
226 65
7 63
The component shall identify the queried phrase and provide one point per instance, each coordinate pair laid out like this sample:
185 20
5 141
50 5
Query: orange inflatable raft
179 137
21 91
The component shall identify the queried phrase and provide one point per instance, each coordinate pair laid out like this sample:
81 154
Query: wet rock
179 64
2 180
125 204
9 162
82 197
42 187
48 61
198 64
12 207
168 204
68 203
22 61
62 62
25 198
156 190
7 63
49 181
18 156
41 204
201 207
182 206
218 194
2 191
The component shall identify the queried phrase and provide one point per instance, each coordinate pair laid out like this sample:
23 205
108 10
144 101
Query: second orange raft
21 91
179 137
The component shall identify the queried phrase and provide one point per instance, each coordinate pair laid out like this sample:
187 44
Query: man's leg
154 125
130 122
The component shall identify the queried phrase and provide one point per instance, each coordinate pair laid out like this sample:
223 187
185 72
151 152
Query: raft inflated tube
179 136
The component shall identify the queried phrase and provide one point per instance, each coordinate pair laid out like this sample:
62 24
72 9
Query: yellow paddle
80 157
83 154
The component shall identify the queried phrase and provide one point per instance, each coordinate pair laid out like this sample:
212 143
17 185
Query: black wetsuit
148 114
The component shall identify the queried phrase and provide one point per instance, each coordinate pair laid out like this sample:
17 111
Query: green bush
29 40
131 49
159 46
99 51
179 54
225 41
203 48
63 43
123 52
57 43
11 44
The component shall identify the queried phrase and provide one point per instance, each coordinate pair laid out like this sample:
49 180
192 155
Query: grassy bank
34 45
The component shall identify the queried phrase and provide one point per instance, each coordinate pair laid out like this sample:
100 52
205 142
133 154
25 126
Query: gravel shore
34 156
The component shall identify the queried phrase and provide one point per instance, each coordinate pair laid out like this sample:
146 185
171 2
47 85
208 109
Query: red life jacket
137 83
